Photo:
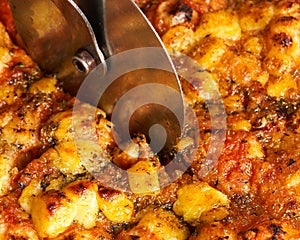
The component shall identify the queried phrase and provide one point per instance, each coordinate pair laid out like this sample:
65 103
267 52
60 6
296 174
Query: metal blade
55 31
52 33
124 28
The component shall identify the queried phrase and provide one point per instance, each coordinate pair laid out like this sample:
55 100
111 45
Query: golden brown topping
199 202
54 163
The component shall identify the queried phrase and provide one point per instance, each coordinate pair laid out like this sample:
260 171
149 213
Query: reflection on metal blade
54 31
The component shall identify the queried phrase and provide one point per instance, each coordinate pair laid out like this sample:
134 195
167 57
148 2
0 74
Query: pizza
251 52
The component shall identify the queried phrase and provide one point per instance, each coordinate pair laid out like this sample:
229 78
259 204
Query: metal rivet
83 61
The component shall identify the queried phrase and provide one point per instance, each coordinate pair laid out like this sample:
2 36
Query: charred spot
241 200
286 19
51 207
53 126
61 195
20 64
83 176
276 229
187 10
283 39
166 156
108 194
13 81
167 206
19 146
255 230
44 185
21 114
24 95
13 237
79 189
36 103
20 130
175 8
21 185
292 205
54 200
180 8
216 183
52 141
283 108
291 162
135 237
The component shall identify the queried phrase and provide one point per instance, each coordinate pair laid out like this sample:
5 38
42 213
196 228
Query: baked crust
250 49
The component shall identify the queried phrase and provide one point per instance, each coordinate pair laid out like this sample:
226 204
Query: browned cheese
251 51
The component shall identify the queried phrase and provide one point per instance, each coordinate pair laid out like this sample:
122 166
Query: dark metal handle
94 12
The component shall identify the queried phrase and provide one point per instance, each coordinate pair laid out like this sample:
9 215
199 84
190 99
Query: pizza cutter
71 38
